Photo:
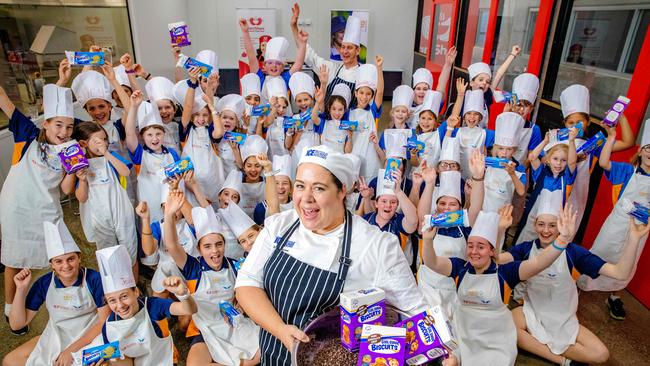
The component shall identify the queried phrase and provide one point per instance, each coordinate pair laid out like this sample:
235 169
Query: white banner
262 26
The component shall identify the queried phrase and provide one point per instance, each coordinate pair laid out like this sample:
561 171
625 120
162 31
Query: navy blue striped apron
338 80
300 292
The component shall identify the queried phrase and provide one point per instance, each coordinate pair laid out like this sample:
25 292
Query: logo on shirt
316 153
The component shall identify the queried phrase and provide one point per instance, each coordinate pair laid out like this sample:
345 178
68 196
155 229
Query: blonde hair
554 149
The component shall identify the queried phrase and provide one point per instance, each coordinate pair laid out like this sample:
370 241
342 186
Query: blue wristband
558 248
191 84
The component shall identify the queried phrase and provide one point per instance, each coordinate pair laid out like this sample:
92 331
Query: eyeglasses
273 63
445 165
646 149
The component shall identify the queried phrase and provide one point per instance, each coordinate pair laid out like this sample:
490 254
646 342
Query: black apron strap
344 260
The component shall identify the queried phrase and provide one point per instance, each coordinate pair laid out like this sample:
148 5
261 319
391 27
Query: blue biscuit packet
414 143
188 63
392 165
306 115
85 58
228 311
447 219
236 137
261 110
563 133
290 122
178 167
593 144
494 162
349 125
105 351
240 263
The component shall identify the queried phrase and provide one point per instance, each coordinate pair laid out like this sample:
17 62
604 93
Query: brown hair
436 120
582 114
83 130
330 102
142 131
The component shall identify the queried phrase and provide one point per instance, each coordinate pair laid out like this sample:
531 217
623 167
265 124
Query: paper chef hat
340 165
301 83
474 102
236 219
574 99
205 221
344 91
432 101
91 85
57 102
645 138
403 96
450 150
422 75
276 87
508 129
282 165
234 181
159 88
550 202
395 141
179 91
526 86
352 31
486 226
366 76
232 102
384 186
58 240
148 115
478 68
276 49
115 268
254 145
449 185
251 85
356 167
209 57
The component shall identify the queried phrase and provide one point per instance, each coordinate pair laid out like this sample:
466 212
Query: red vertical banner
540 35
491 30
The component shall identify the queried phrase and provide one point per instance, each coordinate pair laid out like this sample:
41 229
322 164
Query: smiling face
479 252
153 137
248 237
427 121
523 108
337 110
448 165
202 117
644 157
66 266
349 53
229 120
420 91
167 109
58 129
317 199
447 204
212 248
546 229
364 96
304 101
252 170
481 81
399 114
472 119
557 158
386 206
504 152
99 110
226 196
124 303
282 106
283 188
273 67
253 99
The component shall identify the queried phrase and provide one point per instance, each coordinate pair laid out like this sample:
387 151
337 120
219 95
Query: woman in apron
31 191
452 241
470 134
369 93
547 324
199 134
106 212
330 121
253 185
211 278
275 133
139 323
160 92
304 258
279 176
74 299
483 322
303 91
150 157
632 182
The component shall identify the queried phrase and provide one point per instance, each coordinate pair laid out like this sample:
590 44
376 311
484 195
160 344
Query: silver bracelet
183 297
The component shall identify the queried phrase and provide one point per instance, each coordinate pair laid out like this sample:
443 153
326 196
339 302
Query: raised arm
318 106
174 203
188 102
130 67
443 79
606 152
65 72
505 221
149 245
253 64
366 192
623 269
519 185
379 93
533 156
270 194
218 131
410 220
301 42
477 168
572 160
295 14
20 316
7 106
107 70
194 186
501 71
186 305
81 191
627 136
441 265
424 206
461 87
129 120
179 72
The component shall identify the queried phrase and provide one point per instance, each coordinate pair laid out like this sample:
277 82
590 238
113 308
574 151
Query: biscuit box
357 308
382 346
72 157
429 335
104 352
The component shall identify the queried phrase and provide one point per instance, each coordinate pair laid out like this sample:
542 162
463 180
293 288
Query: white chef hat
395 141
254 145
232 102
276 87
148 115
478 68
645 138
508 129
340 165
366 76
115 268
486 226
343 90
402 96
300 83
450 150
432 101
450 182
356 167
159 88
283 166
422 75
121 76
526 86
251 85
474 102
550 202
574 99
352 31
91 85
236 219
179 91
276 49
384 186
234 181
205 221
209 57
58 240
57 102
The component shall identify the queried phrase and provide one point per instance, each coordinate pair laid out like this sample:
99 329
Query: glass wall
26 65
478 14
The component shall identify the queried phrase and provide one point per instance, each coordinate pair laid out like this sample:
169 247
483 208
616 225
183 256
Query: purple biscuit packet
382 345
179 34
428 336
358 308
72 157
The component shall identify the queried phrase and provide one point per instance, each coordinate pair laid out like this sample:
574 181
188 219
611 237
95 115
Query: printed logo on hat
316 153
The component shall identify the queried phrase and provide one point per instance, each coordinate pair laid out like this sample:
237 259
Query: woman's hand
176 286
107 70
566 223
175 201
64 359
505 217
638 231
194 73
142 210
461 86
292 334
127 61
364 190
136 98
477 164
429 174
176 52
23 278
323 75
450 56
243 25
430 233
266 164
82 174
65 72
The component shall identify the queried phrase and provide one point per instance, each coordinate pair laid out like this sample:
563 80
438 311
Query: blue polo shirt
158 309
508 274
579 260
620 174
38 292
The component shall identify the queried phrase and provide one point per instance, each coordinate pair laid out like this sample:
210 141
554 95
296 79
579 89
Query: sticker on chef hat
317 153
